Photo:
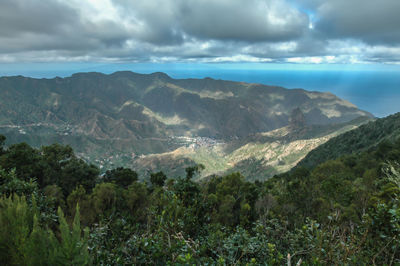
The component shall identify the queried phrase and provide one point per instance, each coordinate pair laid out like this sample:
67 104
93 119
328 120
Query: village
196 142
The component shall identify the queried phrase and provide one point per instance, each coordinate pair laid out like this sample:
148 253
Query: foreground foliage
343 211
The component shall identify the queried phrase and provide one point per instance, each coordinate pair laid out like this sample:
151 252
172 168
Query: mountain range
153 122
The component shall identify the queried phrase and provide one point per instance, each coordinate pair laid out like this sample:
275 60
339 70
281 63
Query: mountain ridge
103 115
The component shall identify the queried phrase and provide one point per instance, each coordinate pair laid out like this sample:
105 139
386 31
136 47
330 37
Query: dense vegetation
366 136
342 211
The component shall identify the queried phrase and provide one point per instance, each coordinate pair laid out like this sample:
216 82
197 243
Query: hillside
361 139
125 118
344 211
257 156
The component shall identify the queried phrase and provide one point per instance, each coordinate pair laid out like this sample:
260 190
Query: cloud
18 17
49 25
298 31
249 20
374 22
169 21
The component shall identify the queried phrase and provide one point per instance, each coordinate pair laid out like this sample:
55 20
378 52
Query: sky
200 31
348 47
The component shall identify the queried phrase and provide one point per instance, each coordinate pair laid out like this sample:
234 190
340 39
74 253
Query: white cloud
302 31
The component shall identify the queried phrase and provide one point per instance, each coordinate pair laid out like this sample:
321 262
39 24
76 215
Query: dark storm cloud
373 21
27 25
169 21
250 20
18 17
200 30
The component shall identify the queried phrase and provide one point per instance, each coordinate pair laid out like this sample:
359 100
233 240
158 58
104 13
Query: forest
56 209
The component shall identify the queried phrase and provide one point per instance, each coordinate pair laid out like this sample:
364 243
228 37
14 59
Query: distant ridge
128 114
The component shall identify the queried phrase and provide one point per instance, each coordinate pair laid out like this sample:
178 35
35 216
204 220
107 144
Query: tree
187 190
79 196
54 159
158 179
103 198
10 184
63 168
25 159
55 194
193 170
25 241
136 199
77 172
121 176
232 195
72 249
2 142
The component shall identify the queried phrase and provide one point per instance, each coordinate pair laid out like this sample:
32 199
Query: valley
156 123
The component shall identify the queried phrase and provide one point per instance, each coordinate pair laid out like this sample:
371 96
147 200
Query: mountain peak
87 75
160 75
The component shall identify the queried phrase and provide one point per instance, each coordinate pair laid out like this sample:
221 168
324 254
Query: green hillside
343 211
257 157
363 138
144 121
